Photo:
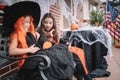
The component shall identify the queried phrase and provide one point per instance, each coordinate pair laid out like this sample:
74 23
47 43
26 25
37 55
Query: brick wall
55 10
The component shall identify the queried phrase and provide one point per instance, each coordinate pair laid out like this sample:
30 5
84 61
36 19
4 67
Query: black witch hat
15 11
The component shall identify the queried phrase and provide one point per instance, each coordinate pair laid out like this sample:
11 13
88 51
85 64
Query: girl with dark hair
48 28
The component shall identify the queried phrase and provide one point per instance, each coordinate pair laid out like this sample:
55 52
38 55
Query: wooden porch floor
113 65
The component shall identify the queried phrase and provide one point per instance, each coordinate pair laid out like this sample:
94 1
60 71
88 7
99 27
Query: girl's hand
51 33
37 35
33 49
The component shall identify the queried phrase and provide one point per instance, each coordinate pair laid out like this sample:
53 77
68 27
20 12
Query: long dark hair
41 28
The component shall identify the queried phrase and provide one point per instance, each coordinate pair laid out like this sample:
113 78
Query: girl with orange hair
18 22
18 47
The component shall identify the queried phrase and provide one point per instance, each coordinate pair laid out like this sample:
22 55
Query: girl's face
48 24
26 23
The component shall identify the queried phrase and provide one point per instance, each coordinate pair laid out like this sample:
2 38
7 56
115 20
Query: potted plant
96 17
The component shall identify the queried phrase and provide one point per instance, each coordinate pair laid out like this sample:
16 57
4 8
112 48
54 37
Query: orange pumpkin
117 45
47 45
73 27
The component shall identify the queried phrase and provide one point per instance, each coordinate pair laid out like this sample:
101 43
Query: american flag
113 12
112 22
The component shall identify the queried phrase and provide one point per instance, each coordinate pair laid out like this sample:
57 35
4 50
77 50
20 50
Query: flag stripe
115 33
